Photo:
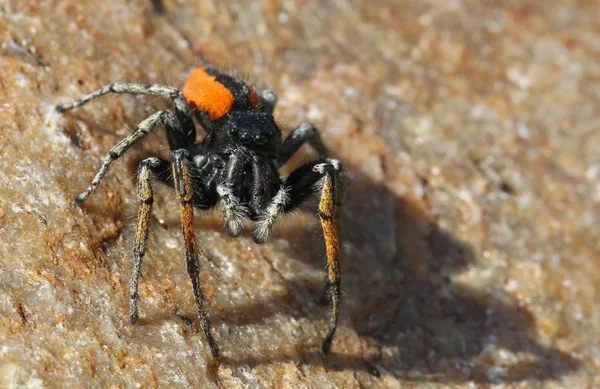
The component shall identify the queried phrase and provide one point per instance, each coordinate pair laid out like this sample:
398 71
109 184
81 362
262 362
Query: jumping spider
235 166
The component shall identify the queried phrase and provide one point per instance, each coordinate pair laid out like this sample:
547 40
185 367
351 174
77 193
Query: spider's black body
241 150
235 166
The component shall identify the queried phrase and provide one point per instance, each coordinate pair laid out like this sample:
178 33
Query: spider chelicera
235 166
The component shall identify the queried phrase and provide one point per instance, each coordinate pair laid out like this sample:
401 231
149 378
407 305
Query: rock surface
470 246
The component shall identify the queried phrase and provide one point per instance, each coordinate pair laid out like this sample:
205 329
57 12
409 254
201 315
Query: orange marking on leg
329 222
332 195
187 224
204 92
184 189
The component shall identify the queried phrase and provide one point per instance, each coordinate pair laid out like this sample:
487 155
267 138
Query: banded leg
185 194
181 133
143 129
330 213
305 132
327 177
125 87
146 199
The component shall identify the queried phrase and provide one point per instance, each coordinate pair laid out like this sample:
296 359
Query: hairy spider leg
325 176
268 100
184 189
180 126
175 136
266 196
130 88
269 217
305 132
143 129
330 212
182 109
146 199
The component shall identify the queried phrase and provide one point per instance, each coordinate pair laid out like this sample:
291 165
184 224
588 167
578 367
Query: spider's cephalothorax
235 166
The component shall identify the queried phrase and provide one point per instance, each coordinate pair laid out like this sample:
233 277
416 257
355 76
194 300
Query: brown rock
470 250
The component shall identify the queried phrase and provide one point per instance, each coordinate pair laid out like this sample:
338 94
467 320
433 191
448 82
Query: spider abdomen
218 94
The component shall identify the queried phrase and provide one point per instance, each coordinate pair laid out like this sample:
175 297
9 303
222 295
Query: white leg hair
268 220
233 212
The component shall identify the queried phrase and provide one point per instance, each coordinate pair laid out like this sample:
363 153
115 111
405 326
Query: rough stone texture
470 247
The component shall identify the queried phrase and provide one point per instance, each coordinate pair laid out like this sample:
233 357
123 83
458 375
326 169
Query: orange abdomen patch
204 92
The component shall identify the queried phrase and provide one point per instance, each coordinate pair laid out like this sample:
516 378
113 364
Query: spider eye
245 138
260 140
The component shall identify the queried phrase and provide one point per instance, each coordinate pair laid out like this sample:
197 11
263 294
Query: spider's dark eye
260 140
245 138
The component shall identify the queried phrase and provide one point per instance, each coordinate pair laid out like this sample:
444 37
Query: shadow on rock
398 291
398 266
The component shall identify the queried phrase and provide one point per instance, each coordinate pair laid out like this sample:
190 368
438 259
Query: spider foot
326 345
133 317
81 198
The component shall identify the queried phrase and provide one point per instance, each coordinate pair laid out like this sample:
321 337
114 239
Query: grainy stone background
470 247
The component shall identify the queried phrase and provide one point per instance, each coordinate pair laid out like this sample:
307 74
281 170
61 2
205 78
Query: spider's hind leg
120 88
182 109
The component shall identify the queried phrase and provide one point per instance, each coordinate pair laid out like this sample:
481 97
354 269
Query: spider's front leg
327 178
185 193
